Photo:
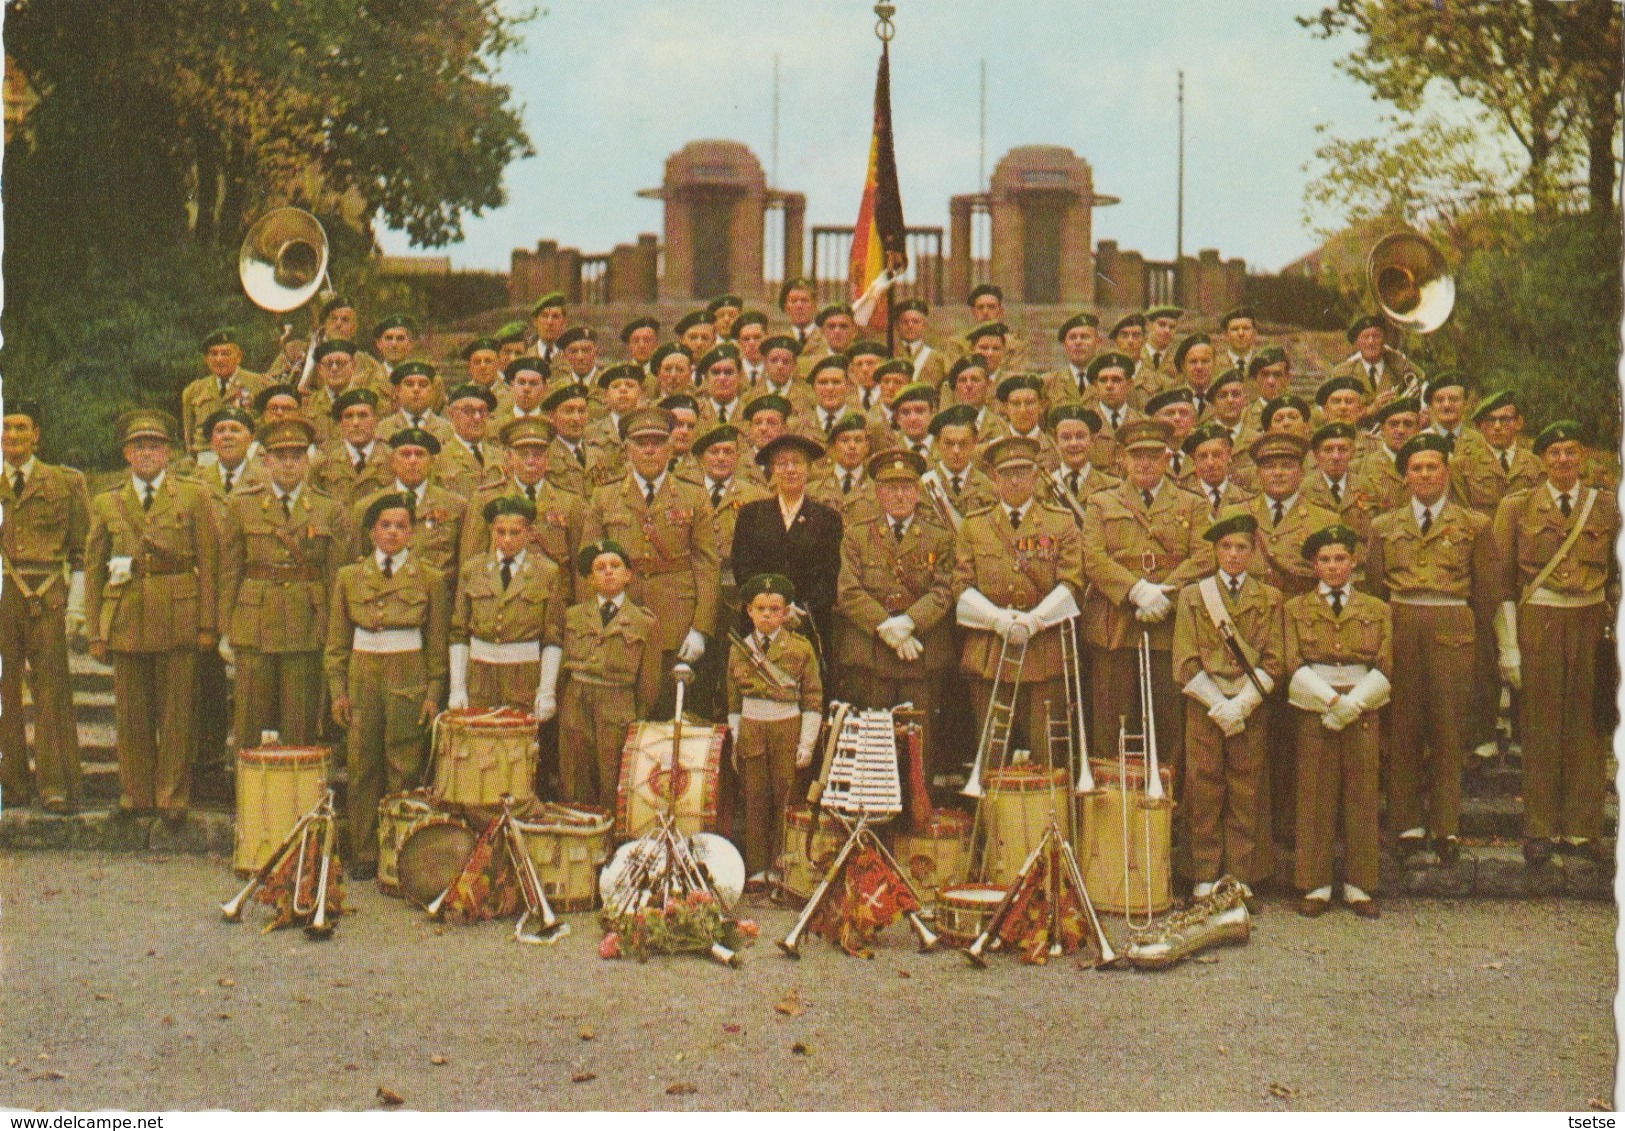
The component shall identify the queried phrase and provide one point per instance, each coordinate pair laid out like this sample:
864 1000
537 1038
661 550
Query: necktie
1072 483
1176 463
18 483
1015 519
1280 512
227 476
1337 492
580 452
1564 505
829 426
1336 598
1506 462
649 494
148 494
1427 519
606 613
1117 419
846 482
958 483
1145 497
287 507
716 496
1156 359
479 456
1217 495
530 491
1372 369
1235 589
897 528
507 571
388 568
360 460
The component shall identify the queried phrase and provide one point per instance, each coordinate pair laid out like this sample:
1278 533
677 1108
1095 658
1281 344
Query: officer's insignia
679 514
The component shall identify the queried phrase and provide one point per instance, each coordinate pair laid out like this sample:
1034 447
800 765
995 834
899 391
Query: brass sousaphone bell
1407 274
283 260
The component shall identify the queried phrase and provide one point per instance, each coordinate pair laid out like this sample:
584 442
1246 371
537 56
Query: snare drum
1018 802
938 856
432 855
963 911
1101 841
399 815
646 777
479 755
568 844
800 874
276 785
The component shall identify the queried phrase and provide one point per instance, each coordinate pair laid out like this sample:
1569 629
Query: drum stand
1059 875
858 836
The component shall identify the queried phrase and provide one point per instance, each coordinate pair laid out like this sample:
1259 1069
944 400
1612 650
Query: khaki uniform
387 749
1559 626
276 572
594 466
1278 559
765 752
461 472
1017 569
437 426
1103 453
203 396
1227 779
1337 770
153 624
1429 580
1048 457
1378 485
436 533
42 539
530 611
1394 373
1067 386
1148 382
854 506
372 373
1090 479
555 533
334 472
1232 495
613 677
1350 511
1015 351
1124 543
972 490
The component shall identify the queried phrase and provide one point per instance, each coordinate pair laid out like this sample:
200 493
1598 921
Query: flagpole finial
884 28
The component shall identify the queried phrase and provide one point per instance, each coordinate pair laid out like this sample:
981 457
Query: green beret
898 365
987 330
1449 379
479 344
1395 406
1077 412
1285 400
868 347
953 415
411 369
851 422
1339 384
690 320
1019 381
576 334
768 402
592 551
983 289
1366 322
1125 322
680 400
354 397
1228 377
270 392
1269 355
509 504
1083 319
767 583
1238 313
1336 534
917 391
749 318
1157 312
832 310
1109 360
1557 432
1493 402
230 412
828 361
639 324
789 442
1243 523
564 393
389 501
225 336
551 298
1167 397
722 351
670 349
416 437
337 302
469 390
969 361
781 342
717 434
394 322
918 305
1423 442
721 301
1212 430
531 362
510 332
625 371
334 345
799 283
1336 430
1187 345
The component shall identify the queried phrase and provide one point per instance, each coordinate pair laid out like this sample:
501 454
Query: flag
879 252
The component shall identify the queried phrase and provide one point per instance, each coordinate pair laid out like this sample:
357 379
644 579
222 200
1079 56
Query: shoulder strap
1208 587
1563 550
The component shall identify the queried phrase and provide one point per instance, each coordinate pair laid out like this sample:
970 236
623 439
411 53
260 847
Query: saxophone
1217 918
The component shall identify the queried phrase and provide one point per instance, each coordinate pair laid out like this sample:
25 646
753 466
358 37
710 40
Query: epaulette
1056 508
987 509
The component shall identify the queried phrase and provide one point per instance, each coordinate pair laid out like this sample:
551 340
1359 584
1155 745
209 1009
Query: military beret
510 332
647 422
1109 360
680 401
1335 535
551 298
1157 312
352 397
828 361
721 301
394 322
983 289
918 305
749 318
898 365
1340 384
670 349
225 336
1011 451
951 416
1278 445
1081 319
768 402
1336 430
1020 381
1494 401
1557 432
775 583
145 424
1285 400
850 422
790 442
832 310
563 393
797 284
31 409
1212 430
896 463
868 347
479 344
1366 322
1242 523
722 351
1236 315
969 361
470 391
415 437
1228 377
388 501
509 504
1185 347
523 430
576 334
334 345
781 342
1264 358
1393 407
266 395
592 551
690 320
1077 412
1125 322
411 369
986 330
625 371
1449 379
917 391
229 412
531 362
337 302
639 324
716 434
295 432
1423 442
1167 397
1144 433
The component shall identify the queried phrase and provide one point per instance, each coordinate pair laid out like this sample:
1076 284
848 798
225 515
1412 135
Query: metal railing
832 254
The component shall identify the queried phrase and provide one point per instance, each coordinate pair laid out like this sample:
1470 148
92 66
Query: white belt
1554 600
1426 597
769 710
1340 676
388 640
519 652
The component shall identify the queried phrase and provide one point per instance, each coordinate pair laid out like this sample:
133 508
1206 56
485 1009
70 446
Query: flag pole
884 31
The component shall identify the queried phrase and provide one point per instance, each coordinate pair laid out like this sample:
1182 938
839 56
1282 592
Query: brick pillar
959 250
1108 274
1132 291
795 235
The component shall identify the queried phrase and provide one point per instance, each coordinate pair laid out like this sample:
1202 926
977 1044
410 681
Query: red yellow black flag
879 252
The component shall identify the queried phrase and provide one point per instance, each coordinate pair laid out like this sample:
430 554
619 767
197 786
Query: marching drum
799 876
939 856
432 855
646 777
481 755
276 785
568 845
1018 801
1101 841
963 910
399 815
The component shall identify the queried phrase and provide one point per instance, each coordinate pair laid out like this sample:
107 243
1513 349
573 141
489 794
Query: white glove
75 616
1248 700
909 650
1202 689
229 657
1058 605
733 726
457 698
1151 602
119 569
1229 717
1309 691
1371 692
895 630
1509 659
1032 622
1343 712
810 722
1014 628
547 704
974 610
733 747
693 647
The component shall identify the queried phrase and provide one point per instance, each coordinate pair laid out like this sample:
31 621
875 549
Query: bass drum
647 780
432 856
713 853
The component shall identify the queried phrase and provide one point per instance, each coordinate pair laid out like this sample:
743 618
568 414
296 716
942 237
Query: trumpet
1153 772
530 884
232 909
319 927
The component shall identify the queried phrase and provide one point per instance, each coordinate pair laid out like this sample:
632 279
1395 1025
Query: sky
610 89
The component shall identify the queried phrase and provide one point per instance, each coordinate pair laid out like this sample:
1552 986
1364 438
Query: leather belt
282 573
1552 599
1425 597
517 652
388 640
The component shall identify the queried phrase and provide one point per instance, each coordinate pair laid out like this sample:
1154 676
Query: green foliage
1298 301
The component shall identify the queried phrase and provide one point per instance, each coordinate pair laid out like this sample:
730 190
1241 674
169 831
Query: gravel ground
123 988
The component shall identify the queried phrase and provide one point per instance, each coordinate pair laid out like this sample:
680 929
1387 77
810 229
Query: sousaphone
283 260
1407 274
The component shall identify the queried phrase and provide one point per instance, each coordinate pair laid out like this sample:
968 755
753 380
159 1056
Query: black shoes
1448 850
1537 850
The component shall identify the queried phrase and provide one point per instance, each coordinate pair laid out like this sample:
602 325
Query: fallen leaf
352 1068
104 997
730 1028
439 1058
389 1098
1282 1091
1492 966
791 1005
167 1021
341 985
1596 1104
225 1017
582 1077
800 1049
904 974
228 981
48 1074
586 1034
1223 1051
680 1089
12 1060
